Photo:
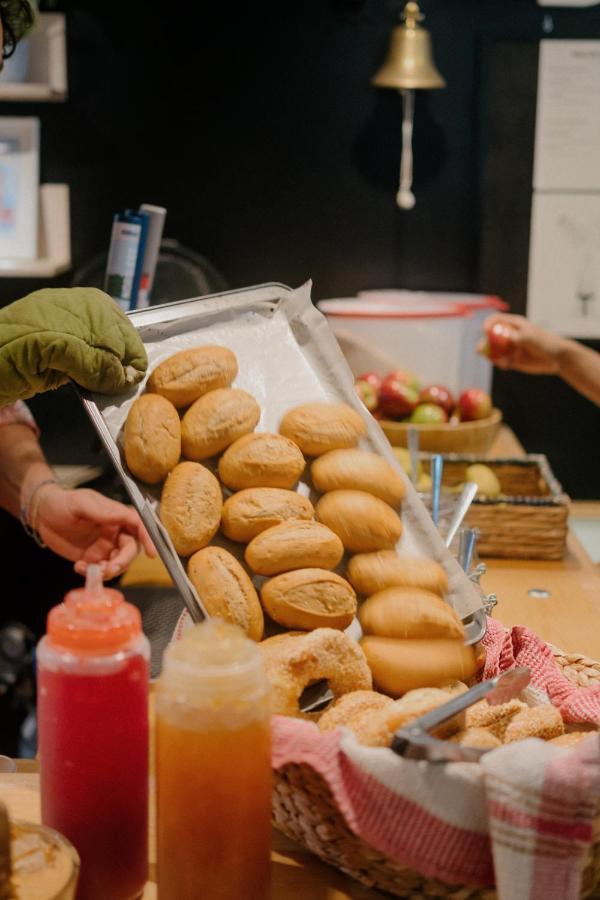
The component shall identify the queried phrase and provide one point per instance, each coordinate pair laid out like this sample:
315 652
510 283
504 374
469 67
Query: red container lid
471 301
361 308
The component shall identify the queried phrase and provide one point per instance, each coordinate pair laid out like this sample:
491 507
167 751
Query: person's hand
528 348
86 527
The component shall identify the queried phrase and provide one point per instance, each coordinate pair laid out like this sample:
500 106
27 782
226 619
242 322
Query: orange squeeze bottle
213 768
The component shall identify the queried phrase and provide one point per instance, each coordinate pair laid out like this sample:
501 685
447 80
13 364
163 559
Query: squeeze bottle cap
94 619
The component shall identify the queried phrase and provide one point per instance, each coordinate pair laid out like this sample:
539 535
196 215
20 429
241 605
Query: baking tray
287 355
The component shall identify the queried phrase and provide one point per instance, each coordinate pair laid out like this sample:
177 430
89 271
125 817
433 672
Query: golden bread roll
399 666
216 420
319 427
261 460
190 507
479 738
294 545
352 709
402 612
543 722
571 738
226 590
189 374
372 572
309 598
253 510
358 470
293 662
494 717
361 521
152 438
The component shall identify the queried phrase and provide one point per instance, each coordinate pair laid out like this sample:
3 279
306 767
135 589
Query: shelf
39 63
54 238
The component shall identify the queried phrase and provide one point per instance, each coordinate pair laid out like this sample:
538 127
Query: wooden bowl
464 437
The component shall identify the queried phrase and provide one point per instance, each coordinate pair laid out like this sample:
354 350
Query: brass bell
409 62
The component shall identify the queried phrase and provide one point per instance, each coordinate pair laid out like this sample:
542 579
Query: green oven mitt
58 334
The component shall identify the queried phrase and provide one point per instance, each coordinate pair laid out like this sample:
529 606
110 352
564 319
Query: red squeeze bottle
92 675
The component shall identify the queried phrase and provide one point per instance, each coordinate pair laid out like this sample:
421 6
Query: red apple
396 398
367 394
498 341
405 377
428 414
474 404
440 395
371 378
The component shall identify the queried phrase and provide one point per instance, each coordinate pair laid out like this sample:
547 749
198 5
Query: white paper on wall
564 263
567 133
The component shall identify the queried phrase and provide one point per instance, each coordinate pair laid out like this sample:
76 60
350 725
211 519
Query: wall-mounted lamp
408 66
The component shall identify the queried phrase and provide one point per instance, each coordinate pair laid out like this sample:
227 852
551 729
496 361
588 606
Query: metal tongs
415 741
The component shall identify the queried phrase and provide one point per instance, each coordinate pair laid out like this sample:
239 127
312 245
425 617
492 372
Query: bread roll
399 665
261 460
360 471
190 507
216 420
494 717
409 613
372 572
152 438
309 598
294 545
320 427
226 589
361 521
253 510
189 374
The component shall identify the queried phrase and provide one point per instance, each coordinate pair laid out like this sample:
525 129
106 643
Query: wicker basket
463 437
304 809
529 520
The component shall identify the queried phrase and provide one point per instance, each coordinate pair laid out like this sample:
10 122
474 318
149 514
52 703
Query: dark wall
258 130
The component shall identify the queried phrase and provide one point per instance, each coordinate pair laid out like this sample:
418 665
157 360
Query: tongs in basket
414 741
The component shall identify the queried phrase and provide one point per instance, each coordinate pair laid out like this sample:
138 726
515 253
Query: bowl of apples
467 424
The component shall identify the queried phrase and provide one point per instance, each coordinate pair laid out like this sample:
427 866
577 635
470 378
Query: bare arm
539 352
80 525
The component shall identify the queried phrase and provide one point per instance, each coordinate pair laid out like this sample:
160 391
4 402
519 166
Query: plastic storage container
93 673
426 337
476 370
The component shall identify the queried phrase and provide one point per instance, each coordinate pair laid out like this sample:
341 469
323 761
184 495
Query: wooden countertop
296 873
569 617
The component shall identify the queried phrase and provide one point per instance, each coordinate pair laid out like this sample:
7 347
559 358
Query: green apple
485 479
428 414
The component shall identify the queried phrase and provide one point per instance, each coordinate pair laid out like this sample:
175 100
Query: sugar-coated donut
293 661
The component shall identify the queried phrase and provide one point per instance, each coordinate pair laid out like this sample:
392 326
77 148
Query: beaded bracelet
24 512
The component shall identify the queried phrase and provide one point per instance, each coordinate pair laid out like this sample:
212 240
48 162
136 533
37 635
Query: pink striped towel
522 819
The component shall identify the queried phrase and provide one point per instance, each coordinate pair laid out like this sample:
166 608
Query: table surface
568 618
